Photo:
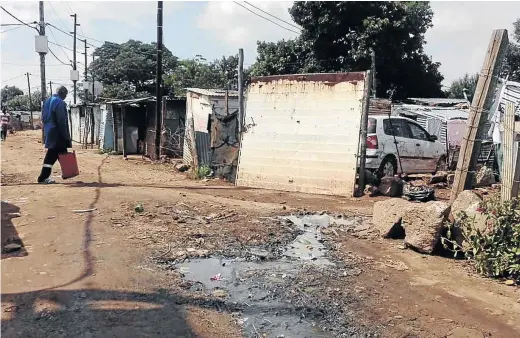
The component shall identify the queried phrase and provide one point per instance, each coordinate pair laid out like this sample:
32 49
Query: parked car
392 138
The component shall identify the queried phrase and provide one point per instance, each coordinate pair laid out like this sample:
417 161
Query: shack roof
213 92
442 113
132 101
436 101
331 78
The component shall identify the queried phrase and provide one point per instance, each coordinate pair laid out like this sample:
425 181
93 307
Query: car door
396 127
425 149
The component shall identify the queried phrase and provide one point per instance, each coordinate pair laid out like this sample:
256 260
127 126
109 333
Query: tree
339 36
21 102
8 93
128 70
467 81
511 68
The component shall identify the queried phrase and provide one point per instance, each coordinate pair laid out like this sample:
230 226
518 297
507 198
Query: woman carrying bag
57 138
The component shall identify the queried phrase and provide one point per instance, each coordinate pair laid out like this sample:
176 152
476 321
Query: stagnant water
258 283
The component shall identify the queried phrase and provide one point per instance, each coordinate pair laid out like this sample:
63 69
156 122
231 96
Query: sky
458 39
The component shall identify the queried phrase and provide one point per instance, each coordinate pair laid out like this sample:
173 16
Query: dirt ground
111 272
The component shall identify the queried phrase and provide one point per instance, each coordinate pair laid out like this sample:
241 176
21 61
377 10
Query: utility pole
74 65
42 70
30 99
92 76
373 71
158 88
482 101
240 90
85 74
50 86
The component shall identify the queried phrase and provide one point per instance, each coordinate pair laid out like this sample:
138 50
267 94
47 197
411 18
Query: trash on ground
83 211
217 277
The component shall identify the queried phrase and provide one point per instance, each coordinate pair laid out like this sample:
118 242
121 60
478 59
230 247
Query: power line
263 17
14 78
57 16
66 64
20 21
61 30
28 65
12 29
271 15
57 44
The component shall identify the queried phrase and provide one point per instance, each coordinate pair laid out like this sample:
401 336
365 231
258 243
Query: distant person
56 132
5 119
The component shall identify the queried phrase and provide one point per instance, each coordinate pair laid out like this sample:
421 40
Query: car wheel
442 164
388 167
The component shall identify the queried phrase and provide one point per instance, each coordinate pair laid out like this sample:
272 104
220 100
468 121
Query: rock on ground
485 177
468 202
464 200
387 215
423 223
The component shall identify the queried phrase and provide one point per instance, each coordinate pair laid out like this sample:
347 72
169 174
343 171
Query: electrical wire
57 16
263 17
61 30
261 10
57 44
14 78
66 64
20 21
12 29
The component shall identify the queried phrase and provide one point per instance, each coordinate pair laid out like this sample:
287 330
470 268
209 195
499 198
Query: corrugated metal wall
302 133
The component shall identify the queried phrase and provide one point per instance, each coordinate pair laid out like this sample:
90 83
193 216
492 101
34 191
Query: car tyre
388 167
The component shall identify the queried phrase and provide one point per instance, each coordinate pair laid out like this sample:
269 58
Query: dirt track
111 272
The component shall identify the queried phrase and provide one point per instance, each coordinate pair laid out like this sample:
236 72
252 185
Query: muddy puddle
268 287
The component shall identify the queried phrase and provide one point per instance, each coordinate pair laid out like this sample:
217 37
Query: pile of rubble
422 224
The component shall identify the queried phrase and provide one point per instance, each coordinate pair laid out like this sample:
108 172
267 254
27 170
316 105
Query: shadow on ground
12 244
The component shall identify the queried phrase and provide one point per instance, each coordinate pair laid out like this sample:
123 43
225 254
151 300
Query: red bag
69 165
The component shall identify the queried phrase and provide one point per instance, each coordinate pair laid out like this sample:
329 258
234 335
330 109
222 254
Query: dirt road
119 271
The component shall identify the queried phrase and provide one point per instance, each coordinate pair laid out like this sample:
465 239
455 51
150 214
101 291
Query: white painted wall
301 136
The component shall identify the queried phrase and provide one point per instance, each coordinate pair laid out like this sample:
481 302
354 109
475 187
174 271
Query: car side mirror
433 138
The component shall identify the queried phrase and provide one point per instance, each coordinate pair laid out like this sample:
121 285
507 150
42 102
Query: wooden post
508 163
226 102
114 127
123 110
363 133
482 101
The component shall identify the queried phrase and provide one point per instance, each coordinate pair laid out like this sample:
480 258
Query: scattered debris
485 177
139 208
181 167
83 211
11 247
421 193
217 277
391 186
423 224
439 177
10 215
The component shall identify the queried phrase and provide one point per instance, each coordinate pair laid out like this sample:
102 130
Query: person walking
5 119
56 132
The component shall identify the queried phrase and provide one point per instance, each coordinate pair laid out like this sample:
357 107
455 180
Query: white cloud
239 28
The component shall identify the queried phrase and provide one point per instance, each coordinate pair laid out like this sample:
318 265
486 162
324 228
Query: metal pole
74 66
240 90
30 99
92 76
42 70
158 87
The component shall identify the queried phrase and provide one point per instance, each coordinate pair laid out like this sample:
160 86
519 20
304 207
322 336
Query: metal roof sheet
435 101
213 92
441 113
130 101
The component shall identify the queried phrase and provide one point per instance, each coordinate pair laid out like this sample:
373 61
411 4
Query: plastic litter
217 277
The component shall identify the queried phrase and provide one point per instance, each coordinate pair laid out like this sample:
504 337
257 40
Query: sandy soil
94 274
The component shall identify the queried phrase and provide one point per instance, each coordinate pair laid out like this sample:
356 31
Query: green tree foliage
512 62
198 73
467 81
21 102
128 70
338 36
9 92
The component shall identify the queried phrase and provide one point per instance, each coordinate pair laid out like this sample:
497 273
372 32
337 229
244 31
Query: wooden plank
482 101
508 167
363 134
123 111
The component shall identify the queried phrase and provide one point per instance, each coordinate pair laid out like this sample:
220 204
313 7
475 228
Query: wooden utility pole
240 90
482 101
373 69
158 87
74 65
363 133
50 87
85 74
42 70
30 99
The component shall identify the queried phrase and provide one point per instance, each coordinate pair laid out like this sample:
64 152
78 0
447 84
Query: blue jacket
55 124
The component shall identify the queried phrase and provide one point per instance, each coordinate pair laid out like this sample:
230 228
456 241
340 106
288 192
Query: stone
463 332
181 167
391 186
387 215
220 293
439 177
12 247
423 224
465 200
485 177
